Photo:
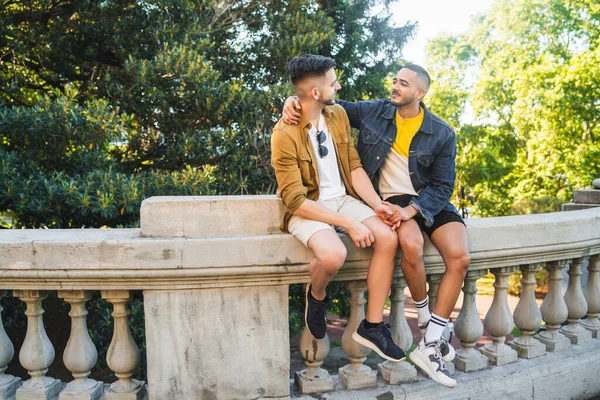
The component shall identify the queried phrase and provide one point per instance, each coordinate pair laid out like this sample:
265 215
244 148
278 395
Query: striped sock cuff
421 304
436 319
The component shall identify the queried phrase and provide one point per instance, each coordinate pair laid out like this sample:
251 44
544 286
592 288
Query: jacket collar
389 112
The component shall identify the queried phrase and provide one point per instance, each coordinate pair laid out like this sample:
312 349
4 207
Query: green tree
527 73
142 93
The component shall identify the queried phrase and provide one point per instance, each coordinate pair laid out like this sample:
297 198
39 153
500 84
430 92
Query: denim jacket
431 158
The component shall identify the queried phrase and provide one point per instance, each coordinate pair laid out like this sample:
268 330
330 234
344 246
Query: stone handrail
215 273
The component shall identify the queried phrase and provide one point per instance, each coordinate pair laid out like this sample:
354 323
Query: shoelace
385 333
438 355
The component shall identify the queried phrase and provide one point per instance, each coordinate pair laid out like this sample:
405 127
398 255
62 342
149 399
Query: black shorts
442 218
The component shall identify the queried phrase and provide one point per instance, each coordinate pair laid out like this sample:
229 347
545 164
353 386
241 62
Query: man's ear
421 93
315 93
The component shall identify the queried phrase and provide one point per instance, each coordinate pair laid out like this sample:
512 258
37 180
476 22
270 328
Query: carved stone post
313 379
554 309
528 316
576 305
356 375
592 295
499 321
434 284
468 327
394 372
8 383
123 354
37 353
80 354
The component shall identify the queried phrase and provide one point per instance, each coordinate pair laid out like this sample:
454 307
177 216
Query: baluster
80 355
313 379
528 316
469 328
8 383
499 321
576 305
37 353
123 354
554 309
356 375
592 296
434 284
394 372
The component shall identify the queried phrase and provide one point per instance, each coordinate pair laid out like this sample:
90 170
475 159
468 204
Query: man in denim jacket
409 154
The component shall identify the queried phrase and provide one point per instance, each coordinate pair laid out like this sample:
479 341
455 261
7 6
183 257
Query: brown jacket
294 159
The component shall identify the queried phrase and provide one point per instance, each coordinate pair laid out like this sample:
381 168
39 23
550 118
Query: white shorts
303 228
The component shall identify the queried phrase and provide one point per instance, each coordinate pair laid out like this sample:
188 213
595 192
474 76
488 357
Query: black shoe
380 340
315 315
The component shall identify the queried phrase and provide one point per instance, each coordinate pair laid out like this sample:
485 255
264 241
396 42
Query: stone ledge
586 196
577 206
572 373
123 259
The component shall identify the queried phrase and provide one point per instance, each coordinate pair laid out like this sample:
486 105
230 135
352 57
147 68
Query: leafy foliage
526 77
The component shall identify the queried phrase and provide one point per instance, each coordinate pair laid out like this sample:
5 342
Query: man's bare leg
452 243
330 254
381 267
413 268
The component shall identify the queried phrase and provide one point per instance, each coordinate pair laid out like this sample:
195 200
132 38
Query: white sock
423 314
435 329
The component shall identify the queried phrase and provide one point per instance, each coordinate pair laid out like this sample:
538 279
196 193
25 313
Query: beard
403 100
328 102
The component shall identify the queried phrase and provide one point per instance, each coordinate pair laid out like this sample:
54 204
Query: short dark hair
421 73
308 66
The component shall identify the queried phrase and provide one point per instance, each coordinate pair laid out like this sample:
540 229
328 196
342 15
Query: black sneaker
315 315
429 359
380 340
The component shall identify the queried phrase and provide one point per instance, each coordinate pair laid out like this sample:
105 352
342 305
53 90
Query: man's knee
385 239
459 263
412 248
332 258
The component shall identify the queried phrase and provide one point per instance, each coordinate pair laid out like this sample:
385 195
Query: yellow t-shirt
394 178
407 129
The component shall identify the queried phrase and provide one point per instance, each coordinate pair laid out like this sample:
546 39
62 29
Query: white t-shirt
394 177
331 185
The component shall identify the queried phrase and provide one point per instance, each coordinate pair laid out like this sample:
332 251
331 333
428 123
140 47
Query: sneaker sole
424 367
371 346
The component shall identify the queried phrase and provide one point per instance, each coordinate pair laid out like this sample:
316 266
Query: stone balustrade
215 273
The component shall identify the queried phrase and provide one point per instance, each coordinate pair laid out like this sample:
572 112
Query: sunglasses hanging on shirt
321 137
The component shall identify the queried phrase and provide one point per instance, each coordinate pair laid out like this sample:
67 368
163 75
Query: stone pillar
468 327
80 355
528 316
8 383
123 354
313 379
434 284
576 305
218 343
499 321
592 296
37 353
356 375
398 372
554 309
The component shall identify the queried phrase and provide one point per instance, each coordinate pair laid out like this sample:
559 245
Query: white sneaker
446 348
429 359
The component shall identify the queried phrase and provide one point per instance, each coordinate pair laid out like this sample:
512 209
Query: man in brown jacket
321 182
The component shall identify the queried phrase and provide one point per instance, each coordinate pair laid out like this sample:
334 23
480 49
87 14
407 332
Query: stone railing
215 273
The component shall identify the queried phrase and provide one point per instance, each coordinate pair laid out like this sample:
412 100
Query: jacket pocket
370 136
306 170
425 159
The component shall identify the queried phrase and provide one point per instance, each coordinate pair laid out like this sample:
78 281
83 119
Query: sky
434 17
